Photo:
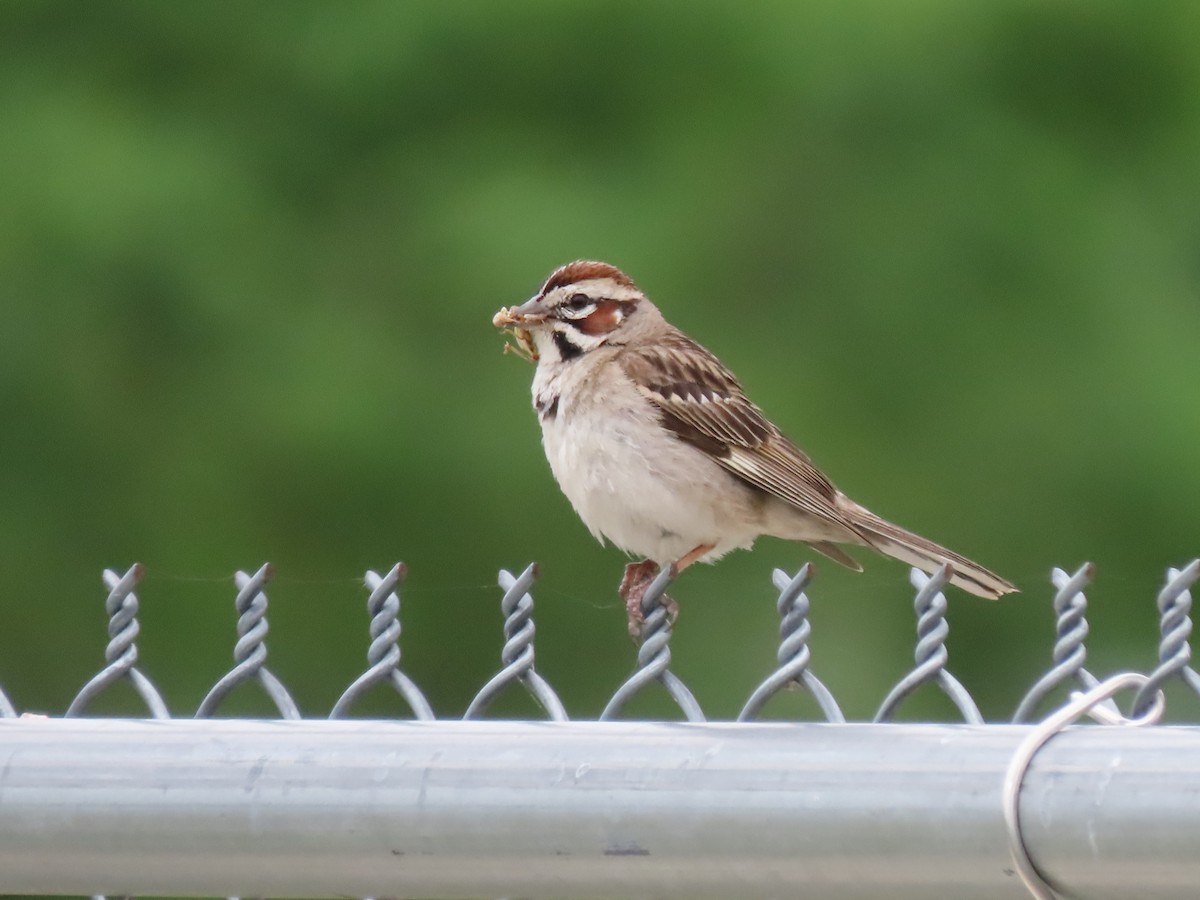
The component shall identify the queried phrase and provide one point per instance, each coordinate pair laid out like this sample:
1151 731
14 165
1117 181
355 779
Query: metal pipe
584 809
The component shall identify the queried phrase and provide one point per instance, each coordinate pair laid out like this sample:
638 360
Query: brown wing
702 403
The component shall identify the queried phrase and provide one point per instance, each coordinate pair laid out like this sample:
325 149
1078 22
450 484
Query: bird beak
531 312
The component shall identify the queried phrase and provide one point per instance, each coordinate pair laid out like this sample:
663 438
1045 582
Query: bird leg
638 577
691 556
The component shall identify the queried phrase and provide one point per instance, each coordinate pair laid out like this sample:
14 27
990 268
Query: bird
659 450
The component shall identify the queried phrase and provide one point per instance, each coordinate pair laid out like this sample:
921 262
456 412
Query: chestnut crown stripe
583 270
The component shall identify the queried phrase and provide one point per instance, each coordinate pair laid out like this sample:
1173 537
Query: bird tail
898 543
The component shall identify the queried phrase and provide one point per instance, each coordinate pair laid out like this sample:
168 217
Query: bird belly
640 487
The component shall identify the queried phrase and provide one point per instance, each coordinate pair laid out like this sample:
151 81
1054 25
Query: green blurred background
249 255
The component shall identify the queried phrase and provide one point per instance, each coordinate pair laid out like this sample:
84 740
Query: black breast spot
547 407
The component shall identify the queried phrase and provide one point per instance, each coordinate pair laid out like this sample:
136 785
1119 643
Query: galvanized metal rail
588 809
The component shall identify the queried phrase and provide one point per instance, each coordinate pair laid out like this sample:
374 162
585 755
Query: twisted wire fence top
517 654
793 655
1071 631
250 651
654 655
383 654
1175 625
653 664
931 654
121 653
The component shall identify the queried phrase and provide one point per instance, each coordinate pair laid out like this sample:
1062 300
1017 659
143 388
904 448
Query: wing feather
701 402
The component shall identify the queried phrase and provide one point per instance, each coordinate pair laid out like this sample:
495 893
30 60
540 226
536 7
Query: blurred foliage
249 254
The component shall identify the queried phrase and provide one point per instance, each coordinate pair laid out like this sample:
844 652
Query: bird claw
636 580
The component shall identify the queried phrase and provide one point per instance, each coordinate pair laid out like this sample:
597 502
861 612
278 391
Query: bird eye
577 306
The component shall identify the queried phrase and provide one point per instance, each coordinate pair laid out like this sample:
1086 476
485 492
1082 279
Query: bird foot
638 577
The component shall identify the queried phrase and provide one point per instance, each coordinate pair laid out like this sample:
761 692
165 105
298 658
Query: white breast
630 480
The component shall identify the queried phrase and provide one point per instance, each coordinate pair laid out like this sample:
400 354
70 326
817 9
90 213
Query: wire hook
1088 703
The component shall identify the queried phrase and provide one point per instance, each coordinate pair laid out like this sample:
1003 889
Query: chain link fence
458 808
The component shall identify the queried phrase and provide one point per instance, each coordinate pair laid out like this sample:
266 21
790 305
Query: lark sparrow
658 449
